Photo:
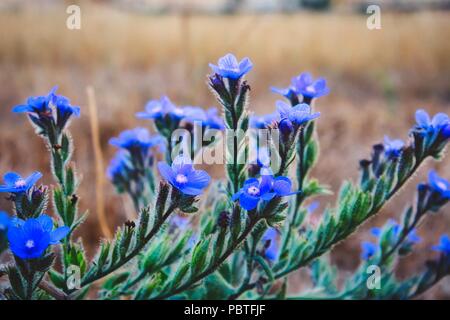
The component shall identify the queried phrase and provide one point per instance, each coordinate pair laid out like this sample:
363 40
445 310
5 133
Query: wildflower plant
236 238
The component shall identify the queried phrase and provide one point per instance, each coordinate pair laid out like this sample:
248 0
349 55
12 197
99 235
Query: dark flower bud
224 220
74 199
130 224
376 156
253 170
286 127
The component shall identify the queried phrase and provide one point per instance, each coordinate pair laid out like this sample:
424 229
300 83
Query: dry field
377 80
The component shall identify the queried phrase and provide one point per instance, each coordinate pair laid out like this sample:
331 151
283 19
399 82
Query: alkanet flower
304 85
64 110
161 108
137 139
411 239
14 183
297 115
270 239
38 105
44 107
368 250
208 119
30 238
263 121
5 221
439 185
439 124
119 167
265 189
183 176
393 148
229 67
444 245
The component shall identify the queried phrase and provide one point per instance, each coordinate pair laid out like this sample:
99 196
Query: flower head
439 185
5 221
270 239
46 106
393 148
209 119
304 85
137 139
14 183
30 238
438 124
38 105
229 67
444 245
64 110
183 176
265 189
264 121
160 109
118 167
298 115
368 250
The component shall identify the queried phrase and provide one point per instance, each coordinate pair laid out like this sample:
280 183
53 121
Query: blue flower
305 85
444 245
5 221
439 185
396 231
39 105
264 121
368 250
64 109
118 167
270 238
267 188
29 239
209 119
43 106
14 183
161 108
183 176
229 67
439 123
298 115
393 148
137 139
313 207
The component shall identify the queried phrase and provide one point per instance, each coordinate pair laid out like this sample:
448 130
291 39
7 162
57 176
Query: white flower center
20 183
442 185
181 178
254 191
29 244
310 88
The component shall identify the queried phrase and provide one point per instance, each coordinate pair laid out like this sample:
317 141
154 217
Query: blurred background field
133 51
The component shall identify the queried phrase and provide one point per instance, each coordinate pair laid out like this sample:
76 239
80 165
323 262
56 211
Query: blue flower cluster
438 125
306 86
263 189
394 231
50 113
167 115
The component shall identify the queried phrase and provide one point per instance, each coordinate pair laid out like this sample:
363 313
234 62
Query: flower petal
166 172
57 235
11 178
248 202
